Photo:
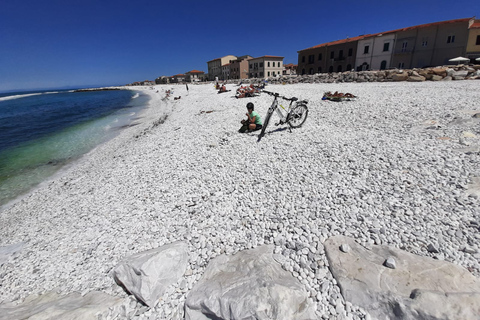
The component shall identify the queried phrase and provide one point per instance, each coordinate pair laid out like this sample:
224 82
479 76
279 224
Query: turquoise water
42 132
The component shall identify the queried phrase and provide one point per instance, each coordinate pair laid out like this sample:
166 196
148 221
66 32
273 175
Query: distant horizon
54 44
62 88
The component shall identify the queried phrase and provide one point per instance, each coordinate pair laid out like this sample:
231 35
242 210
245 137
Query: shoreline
378 163
73 161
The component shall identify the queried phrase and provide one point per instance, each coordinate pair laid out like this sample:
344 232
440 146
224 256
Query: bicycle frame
275 106
283 116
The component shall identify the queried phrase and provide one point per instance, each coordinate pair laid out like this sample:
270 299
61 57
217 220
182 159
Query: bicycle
295 116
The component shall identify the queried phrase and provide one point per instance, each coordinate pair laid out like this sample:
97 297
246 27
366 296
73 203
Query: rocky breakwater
443 73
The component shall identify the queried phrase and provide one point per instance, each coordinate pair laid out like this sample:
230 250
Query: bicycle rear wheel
265 124
298 115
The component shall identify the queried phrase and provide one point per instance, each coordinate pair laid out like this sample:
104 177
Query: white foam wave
136 95
52 92
18 96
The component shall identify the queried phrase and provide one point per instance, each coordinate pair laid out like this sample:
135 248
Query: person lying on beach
253 123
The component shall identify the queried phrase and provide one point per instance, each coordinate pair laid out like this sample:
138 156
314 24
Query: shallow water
42 132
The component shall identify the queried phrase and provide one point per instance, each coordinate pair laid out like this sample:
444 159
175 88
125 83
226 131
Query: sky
59 44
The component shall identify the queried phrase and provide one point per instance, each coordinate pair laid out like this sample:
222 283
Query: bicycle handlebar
279 96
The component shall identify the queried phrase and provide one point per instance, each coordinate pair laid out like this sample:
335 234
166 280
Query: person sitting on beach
253 123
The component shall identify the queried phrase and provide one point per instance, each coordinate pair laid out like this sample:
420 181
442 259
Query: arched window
349 67
303 71
319 69
330 70
383 65
311 71
339 68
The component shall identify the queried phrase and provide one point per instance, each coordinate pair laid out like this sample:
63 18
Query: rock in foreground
248 285
418 288
53 306
147 274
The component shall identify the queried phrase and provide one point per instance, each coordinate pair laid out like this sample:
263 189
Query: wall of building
445 49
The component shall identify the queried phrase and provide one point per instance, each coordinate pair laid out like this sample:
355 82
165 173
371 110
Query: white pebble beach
397 166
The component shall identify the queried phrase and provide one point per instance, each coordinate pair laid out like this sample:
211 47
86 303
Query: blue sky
53 44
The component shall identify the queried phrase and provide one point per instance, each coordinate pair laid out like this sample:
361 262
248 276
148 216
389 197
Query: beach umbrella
459 59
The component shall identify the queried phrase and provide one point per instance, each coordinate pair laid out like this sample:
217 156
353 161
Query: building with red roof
473 43
195 76
411 47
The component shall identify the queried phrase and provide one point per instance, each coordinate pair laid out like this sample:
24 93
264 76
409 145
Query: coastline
382 158
135 107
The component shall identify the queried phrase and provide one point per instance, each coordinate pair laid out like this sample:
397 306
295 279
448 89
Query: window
340 54
273 73
383 65
251 66
424 41
478 41
332 54
319 69
386 46
450 39
366 49
256 65
268 64
404 46
349 67
268 73
330 69
339 69
303 59
311 70
311 59
303 71
320 55
261 64
401 65
261 74
350 52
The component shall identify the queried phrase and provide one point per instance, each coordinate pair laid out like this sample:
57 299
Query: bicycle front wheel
265 123
298 115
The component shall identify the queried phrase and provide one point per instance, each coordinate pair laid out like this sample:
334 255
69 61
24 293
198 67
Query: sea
43 131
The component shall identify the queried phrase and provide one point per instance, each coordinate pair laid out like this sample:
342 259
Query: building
215 67
239 67
195 76
419 46
162 80
226 71
178 78
335 56
431 44
374 52
473 42
290 69
266 66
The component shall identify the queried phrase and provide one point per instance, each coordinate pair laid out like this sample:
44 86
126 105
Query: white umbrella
478 59
459 59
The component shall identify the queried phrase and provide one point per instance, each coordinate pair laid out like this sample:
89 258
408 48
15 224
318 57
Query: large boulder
400 76
51 305
414 78
440 71
248 285
147 274
392 284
